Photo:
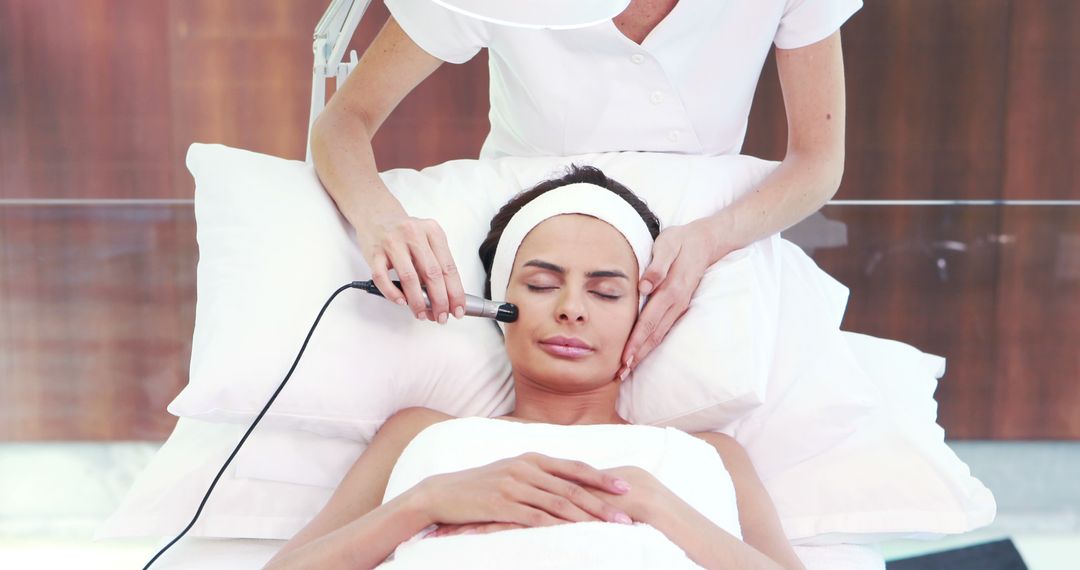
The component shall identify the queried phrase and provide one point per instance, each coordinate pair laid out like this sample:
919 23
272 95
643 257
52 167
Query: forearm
799 186
363 543
345 162
704 542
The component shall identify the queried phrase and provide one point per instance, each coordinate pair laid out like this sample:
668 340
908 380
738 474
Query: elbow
820 170
834 174
334 125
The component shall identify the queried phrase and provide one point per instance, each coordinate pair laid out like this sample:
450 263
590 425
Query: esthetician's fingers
671 302
402 261
670 316
380 274
454 291
655 275
431 273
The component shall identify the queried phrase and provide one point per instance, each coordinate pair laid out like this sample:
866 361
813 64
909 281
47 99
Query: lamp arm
332 35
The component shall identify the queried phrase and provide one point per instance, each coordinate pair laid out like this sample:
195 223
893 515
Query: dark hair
574 174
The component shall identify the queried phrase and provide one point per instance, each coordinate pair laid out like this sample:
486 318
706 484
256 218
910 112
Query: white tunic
686 89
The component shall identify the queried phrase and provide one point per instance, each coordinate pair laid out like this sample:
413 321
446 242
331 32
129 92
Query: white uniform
686 89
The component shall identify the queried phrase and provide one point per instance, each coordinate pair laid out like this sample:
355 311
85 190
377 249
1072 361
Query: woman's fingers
581 472
561 504
560 492
472 528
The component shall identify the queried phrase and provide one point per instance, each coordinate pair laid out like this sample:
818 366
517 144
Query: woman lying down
439 491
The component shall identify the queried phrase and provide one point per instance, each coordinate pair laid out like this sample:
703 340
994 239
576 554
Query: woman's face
574 282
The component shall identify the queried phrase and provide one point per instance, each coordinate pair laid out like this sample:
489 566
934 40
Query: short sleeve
447 35
807 21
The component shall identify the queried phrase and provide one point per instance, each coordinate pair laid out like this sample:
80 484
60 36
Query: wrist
416 504
718 235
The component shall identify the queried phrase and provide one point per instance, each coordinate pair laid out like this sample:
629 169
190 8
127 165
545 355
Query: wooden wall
947 99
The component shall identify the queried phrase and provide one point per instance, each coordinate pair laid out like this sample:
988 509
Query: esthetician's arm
341 148
812 79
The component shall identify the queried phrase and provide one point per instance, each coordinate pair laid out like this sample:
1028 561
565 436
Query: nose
571 306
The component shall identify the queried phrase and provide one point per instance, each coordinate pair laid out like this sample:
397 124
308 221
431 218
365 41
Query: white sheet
252 554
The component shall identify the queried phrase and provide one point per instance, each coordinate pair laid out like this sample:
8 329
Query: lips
566 347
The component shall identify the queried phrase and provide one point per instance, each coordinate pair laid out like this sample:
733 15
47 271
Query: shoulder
721 441
406 423
730 450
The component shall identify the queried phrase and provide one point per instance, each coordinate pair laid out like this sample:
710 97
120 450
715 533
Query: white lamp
550 14
338 23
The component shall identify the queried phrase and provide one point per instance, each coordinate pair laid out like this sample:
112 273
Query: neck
535 402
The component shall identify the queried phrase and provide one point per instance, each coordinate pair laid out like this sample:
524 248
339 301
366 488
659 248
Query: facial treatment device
474 306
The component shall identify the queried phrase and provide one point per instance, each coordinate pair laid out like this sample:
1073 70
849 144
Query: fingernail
620 485
402 302
630 361
623 519
459 312
442 318
623 373
645 287
420 316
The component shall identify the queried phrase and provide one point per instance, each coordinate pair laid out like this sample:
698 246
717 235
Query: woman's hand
527 490
641 503
417 250
681 254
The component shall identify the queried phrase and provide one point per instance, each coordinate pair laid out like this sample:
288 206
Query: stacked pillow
273 247
759 355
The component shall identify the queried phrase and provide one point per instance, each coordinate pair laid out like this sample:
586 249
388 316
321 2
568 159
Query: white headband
580 198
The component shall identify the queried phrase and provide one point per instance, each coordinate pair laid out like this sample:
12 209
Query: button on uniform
673 136
656 98
637 58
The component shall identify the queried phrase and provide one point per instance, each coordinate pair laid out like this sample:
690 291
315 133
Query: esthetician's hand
528 490
680 256
416 248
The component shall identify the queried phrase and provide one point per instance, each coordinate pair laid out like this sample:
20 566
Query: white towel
688 466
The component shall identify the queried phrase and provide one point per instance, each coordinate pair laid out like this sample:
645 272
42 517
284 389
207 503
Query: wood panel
946 99
84 99
97 305
925 100
1038 314
928 276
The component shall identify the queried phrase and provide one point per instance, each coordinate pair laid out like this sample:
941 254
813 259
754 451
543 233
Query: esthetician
672 76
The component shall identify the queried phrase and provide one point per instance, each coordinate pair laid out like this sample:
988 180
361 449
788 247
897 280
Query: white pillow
273 247
893 478
166 494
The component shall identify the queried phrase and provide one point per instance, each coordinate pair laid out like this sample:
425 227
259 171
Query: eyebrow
552 267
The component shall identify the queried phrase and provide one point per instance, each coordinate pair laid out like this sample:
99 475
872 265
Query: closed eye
597 293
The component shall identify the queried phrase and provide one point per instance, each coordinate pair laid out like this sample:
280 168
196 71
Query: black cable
252 428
